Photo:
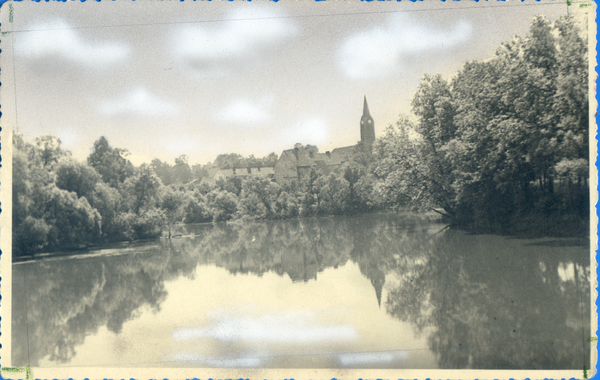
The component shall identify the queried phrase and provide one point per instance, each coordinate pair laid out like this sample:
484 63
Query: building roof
264 171
344 151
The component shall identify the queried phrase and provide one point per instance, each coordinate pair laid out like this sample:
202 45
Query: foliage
224 205
261 191
76 177
491 144
333 193
196 210
111 163
148 225
142 189
172 204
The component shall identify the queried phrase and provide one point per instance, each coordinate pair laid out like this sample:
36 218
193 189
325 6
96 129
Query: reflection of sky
292 328
219 319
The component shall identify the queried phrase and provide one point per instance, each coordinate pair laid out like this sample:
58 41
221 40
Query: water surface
374 291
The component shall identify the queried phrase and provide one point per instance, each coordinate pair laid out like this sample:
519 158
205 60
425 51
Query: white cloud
248 31
138 102
69 137
380 51
243 111
309 131
58 39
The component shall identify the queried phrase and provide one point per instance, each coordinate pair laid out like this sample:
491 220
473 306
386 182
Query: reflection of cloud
243 111
310 131
291 328
378 52
138 102
245 33
365 358
246 362
57 38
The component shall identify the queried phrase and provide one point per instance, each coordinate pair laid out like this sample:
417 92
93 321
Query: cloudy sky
205 78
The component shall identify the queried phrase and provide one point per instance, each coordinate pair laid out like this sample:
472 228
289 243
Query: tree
181 170
49 149
30 236
109 203
230 161
224 205
286 206
142 188
147 225
333 194
270 160
571 108
405 179
260 190
74 176
73 222
196 209
172 203
199 172
252 207
164 171
487 145
46 216
111 163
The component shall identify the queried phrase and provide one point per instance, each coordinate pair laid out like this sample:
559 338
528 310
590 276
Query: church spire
367 127
366 107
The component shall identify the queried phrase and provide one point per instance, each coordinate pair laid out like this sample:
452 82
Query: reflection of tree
480 304
496 308
298 248
67 300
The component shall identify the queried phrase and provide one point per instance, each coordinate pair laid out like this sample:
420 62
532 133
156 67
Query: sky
163 79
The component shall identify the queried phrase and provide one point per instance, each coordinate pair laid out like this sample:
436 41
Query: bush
252 207
30 237
145 226
286 206
197 211
224 205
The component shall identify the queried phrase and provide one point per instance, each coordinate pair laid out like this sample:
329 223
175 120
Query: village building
297 164
215 174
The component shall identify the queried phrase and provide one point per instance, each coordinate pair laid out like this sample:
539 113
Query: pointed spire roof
366 107
378 285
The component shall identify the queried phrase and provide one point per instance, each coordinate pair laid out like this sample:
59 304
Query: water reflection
479 301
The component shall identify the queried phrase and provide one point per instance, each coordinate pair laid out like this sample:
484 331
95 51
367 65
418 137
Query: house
215 174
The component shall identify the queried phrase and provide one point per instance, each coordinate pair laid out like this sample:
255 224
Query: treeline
181 172
60 203
504 142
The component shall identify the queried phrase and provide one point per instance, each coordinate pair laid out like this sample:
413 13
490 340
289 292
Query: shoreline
531 227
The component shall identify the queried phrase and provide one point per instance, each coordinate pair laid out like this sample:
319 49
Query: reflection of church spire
371 271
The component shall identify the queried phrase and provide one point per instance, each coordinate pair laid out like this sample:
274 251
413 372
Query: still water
375 291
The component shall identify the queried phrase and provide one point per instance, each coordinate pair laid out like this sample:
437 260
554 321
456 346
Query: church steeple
367 126
365 107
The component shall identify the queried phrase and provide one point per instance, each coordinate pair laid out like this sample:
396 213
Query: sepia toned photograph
298 189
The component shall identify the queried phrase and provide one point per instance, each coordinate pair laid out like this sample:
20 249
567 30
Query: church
296 164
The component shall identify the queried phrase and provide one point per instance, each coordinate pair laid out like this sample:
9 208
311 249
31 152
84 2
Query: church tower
367 127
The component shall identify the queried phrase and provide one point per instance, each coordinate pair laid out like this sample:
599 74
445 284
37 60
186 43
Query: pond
371 291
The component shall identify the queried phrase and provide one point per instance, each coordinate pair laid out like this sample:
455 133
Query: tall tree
111 163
